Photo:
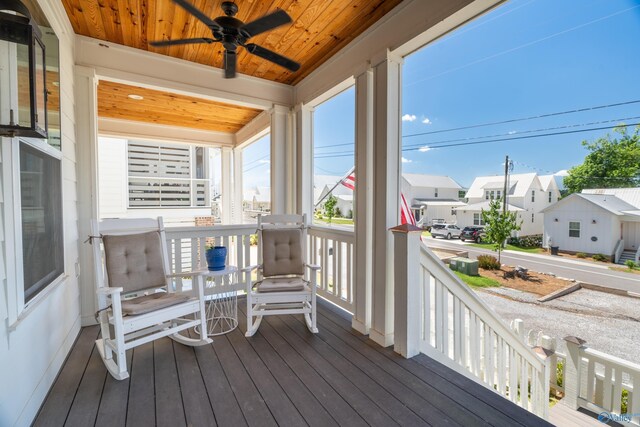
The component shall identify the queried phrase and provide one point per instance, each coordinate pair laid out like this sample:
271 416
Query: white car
445 230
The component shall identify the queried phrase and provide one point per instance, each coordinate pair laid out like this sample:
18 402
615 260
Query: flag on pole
406 214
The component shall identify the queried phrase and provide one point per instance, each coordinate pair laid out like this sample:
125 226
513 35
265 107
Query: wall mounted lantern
555 220
21 37
593 221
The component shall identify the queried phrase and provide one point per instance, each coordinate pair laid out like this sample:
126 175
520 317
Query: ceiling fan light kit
232 32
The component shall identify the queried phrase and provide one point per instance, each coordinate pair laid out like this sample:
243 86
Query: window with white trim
550 196
574 229
533 217
533 195
477 219
436 193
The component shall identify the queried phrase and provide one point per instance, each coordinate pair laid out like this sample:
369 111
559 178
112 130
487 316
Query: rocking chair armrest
314 267
250 268
105 291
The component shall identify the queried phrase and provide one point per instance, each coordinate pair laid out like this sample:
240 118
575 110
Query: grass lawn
334 220
426 234
510 247
478 281
635 270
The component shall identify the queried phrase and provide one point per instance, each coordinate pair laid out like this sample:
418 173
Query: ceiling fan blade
162 43
270 55
266 23
229 64
198 14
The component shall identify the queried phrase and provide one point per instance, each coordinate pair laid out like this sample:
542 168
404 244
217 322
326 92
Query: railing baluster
634 399
513 375
591 379
617 391
524 383
457 330
606 384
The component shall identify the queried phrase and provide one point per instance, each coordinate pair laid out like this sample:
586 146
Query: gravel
609 323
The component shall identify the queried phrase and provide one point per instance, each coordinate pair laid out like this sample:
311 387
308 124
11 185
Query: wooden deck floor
283 375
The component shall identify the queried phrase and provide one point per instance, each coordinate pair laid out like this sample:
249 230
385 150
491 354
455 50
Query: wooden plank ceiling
320 29
166 108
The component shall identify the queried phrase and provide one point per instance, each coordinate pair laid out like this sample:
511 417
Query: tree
329 207
499 225
611 163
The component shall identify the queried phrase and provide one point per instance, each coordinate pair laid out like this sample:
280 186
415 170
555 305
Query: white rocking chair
136 302
285 283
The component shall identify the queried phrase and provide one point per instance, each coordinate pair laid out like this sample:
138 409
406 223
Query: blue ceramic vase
217 258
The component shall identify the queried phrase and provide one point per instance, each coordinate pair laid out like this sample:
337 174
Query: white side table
221 297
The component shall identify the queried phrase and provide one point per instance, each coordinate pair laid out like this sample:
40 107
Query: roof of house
435 181
484 206
519 184
261 194
607 202
629 195
437 202
546 181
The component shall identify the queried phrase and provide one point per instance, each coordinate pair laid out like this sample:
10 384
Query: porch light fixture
28 116
555 220
593 221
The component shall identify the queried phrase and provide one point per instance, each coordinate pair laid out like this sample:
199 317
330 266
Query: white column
226 188
281 167
386 179
86 110
407 310
238 193
572 380
304 160
363 203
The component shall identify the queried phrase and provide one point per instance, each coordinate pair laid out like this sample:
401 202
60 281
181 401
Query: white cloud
563 172
408 117
405 160
426 121
511 132
264 161
424 149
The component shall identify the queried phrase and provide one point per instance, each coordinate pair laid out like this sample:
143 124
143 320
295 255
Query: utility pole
506 178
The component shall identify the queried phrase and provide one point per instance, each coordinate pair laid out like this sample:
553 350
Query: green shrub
581 255
600 257
531 241
488 262
560 373
625 401
350 214
630 263
253 239
338 213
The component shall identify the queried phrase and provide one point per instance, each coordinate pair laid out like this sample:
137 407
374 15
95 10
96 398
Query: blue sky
524 59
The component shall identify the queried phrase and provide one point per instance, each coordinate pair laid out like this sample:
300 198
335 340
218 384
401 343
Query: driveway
572 269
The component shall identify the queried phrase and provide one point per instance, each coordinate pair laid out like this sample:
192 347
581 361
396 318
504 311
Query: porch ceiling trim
409 26
131 66
151 131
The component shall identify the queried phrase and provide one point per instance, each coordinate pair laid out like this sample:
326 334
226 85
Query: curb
560 292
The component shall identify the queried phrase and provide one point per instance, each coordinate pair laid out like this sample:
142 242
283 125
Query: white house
432 197
528 195
136 176
596 221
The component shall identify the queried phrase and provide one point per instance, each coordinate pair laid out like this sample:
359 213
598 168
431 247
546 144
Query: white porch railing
439 315
600 383
617 252
333 250
187 246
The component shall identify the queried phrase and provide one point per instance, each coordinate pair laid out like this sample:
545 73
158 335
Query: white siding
33 350
606 228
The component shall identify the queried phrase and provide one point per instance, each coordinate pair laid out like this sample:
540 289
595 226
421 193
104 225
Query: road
579 270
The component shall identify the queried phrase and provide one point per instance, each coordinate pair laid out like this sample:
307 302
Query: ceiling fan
232 32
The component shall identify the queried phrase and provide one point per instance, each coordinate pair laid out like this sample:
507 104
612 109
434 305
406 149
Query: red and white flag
406 214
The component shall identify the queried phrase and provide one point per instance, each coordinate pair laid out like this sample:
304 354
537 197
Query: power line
526 137
255 167
560 113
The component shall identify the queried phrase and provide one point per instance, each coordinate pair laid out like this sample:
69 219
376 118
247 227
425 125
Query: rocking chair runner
136 302
285 283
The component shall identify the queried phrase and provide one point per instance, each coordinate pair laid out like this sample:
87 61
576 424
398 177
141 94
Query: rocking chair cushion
151 302
281 284
282 252
134 261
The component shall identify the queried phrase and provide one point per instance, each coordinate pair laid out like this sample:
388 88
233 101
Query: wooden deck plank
443 377
197 407
309 407
332 401
284 412
251 403
427 401
219 390
84 409
115 396
56 406
169 406
440 390
141 410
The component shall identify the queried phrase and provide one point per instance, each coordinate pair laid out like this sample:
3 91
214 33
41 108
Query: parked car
445 230
474 232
